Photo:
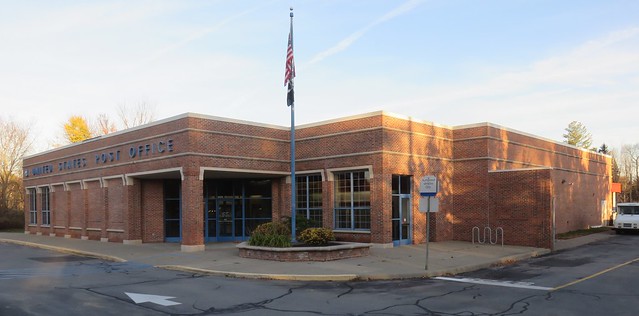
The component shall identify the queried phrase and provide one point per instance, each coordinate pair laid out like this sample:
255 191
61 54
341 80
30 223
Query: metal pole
427 231
293 202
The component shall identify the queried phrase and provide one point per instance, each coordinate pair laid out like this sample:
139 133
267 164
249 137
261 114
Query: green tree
77 129
577 135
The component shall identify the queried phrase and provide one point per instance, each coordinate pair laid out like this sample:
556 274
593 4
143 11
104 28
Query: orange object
616 187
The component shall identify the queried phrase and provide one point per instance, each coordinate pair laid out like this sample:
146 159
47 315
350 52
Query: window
46 211
352 201
172 210
33 211
257 206
309 198
401 184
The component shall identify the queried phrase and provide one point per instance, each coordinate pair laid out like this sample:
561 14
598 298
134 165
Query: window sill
345 231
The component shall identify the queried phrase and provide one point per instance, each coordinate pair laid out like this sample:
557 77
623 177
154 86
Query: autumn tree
15 142
77 129
577 135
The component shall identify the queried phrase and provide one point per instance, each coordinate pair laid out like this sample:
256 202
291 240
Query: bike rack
499 232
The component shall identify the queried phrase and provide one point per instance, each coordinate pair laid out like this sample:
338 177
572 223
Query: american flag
289 74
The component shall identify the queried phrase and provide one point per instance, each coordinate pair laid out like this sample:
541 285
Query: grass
581 232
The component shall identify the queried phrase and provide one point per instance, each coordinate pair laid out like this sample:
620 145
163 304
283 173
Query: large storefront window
233 208
46 211
309 199
352 201
33 211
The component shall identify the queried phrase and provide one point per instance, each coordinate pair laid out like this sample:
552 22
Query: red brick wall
115 204
59 210
520 204
76 209
577 200
95 204
152 210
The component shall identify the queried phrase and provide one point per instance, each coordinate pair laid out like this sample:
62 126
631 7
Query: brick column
192 213
132 212
104 236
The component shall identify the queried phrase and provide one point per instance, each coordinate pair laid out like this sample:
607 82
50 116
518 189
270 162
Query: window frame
45 197
33 206
358 213
309 212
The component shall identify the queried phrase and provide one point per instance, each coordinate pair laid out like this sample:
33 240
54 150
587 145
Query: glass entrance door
233 208
225 220
210 220
401 220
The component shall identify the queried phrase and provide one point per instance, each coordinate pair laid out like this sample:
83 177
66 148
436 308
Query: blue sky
533 66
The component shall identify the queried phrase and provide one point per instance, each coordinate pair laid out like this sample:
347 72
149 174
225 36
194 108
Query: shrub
272 234
317 236
301 223
11 220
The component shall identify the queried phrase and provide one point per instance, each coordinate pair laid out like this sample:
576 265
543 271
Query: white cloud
606 62
349 40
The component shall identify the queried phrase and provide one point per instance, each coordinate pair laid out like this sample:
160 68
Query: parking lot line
520 285
594 275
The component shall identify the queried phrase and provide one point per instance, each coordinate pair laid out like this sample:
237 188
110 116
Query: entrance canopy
228 173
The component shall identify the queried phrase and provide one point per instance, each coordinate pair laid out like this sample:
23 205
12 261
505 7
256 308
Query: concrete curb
263 276
64 250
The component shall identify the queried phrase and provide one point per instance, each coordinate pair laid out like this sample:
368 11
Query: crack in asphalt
350 290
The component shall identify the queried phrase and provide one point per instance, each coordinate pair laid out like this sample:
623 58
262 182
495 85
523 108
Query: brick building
195 179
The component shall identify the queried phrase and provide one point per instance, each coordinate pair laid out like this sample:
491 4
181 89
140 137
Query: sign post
429 186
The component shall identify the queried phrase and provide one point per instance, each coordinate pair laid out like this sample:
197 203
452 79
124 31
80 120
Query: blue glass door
402 223
210 220
225 220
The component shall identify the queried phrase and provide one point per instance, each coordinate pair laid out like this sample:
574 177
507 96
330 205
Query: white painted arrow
155 299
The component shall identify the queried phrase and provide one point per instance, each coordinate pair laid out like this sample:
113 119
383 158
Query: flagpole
293 202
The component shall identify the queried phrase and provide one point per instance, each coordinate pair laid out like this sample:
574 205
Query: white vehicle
627 218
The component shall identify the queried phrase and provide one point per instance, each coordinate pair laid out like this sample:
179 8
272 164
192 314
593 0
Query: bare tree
630 169
15 141
140 114
104 125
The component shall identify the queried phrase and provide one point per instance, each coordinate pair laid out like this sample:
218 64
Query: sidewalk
445 258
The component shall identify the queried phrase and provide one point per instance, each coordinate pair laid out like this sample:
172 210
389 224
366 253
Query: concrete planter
327 253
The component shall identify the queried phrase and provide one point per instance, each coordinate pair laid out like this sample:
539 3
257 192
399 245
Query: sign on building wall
149 149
